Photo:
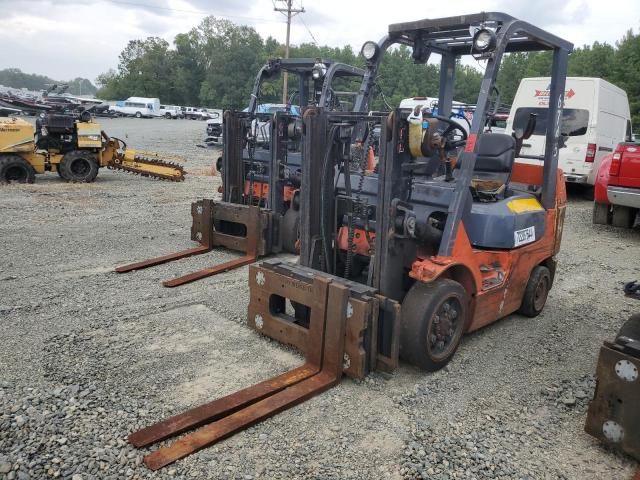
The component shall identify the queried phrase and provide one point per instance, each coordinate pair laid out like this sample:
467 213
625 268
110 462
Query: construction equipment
613 415
73 146
414 258
261 167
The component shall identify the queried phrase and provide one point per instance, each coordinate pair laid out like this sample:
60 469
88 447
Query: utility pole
288 12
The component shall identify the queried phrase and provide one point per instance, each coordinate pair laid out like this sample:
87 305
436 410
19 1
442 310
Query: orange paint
361 244
498 291
260 189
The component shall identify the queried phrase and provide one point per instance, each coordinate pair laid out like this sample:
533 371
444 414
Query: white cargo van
138 107
595 119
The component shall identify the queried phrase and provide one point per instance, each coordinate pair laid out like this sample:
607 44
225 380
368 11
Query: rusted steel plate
164 259
216 409
613 415
331 331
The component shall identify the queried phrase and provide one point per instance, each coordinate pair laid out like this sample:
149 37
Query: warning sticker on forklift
524 236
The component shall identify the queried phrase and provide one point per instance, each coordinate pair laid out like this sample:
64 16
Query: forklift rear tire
15 169
79 166
631 328
290 229
434 316
536 292
622 216
601 213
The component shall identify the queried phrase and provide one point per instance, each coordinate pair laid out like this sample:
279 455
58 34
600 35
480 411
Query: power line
197 12
313 38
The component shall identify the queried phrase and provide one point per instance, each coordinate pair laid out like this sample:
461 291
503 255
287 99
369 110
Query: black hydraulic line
323 196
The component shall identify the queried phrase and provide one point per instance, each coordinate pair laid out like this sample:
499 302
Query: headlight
369 50
484 40
319 70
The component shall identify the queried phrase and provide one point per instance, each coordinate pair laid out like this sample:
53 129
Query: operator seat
500 217
496 153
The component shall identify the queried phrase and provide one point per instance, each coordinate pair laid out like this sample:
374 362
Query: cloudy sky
69 38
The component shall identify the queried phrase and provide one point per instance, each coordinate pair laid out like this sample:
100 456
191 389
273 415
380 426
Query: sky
65 39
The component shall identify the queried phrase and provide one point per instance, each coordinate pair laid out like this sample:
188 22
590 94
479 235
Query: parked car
617 188
193 113
595 118
170 111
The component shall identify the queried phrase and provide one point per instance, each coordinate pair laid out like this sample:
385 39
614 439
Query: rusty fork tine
332 341
209 272
164 259
218 408
250 257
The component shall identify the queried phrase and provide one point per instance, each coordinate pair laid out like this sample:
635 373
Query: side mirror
521 134
530 127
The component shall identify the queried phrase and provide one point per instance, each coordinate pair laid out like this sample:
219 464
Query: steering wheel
452 126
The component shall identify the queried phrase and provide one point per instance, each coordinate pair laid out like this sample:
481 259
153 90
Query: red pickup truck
617 189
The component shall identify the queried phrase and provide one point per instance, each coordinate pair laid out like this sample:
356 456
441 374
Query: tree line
16 78
215 64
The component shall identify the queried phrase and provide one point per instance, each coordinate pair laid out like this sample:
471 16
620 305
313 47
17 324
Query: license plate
524 236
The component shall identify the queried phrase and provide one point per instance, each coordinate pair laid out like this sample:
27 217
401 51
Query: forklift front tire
434 316
536 292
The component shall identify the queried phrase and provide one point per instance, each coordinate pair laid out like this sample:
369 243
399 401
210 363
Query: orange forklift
451 232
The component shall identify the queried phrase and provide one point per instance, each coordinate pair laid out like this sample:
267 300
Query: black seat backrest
496 154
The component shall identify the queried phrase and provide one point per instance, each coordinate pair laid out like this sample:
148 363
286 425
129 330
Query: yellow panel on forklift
89 135
521 205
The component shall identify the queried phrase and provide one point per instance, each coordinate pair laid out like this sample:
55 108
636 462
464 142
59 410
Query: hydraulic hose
324 185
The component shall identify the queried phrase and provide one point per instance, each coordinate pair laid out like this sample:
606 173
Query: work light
318 71
484 40
369 50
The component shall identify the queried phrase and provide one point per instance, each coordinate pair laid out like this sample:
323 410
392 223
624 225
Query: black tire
138 115
167 116
428 310
631 328
601 214
536 292
290 230
79 166
622 216
15 169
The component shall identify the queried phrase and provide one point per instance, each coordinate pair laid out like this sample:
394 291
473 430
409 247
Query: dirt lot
88 355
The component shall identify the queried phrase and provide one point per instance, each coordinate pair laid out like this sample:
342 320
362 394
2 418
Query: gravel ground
88 355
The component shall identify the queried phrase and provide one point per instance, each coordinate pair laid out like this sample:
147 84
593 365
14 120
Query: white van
138 107
595 119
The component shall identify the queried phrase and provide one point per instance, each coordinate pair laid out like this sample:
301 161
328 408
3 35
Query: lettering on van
524 236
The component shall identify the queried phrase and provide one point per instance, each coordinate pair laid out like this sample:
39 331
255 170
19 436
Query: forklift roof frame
303 68
451 38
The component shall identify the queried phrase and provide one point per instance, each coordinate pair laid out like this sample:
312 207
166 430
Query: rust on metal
613 415
251 244
201 211
206 215
328 303
216 409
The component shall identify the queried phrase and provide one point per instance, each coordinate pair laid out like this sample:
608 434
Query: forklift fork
328 303
207 218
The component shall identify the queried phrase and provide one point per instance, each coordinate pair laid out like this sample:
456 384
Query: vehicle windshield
575 121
